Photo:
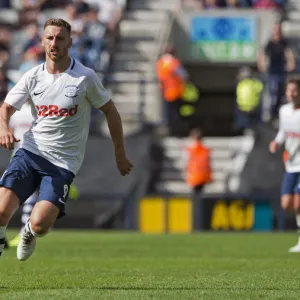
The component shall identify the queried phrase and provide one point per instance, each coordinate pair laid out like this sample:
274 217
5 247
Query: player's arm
116 131
278 141
7 137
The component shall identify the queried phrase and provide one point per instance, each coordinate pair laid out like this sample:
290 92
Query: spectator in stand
77 25
232 4
172 78
192 4
281 60
74 20
4 45
33 38
82 7
31 59
110 13
29 4
93 38
266 4
5 4
5 84
3 55
30 11
211 4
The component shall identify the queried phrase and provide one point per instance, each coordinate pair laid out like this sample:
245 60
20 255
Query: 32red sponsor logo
54 110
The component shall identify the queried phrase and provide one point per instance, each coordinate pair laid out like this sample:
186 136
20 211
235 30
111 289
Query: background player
289 133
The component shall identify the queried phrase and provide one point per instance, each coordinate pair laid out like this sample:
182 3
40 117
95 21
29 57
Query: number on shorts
66 189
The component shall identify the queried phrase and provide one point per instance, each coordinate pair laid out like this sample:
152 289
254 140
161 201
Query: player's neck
57 67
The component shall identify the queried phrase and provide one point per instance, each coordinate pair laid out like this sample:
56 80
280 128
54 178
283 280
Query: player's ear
43 44
70 44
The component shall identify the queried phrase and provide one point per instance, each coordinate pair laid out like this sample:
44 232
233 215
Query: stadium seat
9 17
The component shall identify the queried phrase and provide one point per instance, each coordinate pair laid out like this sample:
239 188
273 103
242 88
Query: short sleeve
280 137
19 94
96 93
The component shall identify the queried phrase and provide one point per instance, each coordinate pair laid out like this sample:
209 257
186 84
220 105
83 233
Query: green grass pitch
100 265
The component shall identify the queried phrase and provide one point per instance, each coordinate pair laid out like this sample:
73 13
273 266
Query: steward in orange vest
170 78
198 171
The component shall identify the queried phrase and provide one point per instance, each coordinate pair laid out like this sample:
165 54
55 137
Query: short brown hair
58 23
294 80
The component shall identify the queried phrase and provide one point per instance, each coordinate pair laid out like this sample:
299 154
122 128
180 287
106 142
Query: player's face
292 93
56 41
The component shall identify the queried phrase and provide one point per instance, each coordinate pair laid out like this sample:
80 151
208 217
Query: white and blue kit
52 150
289 134
21 121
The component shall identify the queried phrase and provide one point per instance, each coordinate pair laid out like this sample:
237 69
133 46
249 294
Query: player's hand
273 147
124 165
7 139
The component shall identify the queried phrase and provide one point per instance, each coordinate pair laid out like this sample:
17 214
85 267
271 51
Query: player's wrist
120 153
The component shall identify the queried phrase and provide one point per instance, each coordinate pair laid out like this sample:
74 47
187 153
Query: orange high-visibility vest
198 169
285 156
172 84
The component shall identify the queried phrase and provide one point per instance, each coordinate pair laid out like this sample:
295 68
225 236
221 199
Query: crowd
231 4
94 31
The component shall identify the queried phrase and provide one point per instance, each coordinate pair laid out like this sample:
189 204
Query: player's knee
287 204
297 206
39 227
4 217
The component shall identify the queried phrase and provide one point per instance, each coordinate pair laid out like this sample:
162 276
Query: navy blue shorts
27 171
291 184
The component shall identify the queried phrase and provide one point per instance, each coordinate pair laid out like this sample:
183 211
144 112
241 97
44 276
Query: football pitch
108 265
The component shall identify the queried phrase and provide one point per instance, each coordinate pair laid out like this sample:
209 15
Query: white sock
298 220
2 238
28 228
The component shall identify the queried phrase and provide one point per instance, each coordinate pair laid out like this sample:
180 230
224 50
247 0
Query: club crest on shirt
71 91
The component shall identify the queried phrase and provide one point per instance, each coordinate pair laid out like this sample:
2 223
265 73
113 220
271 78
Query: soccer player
289 133
61 92
20 122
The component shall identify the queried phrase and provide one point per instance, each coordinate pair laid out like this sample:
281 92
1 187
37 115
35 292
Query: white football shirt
21 122
289 133
61 105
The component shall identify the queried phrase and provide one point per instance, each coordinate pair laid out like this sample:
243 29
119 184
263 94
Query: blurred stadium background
122 40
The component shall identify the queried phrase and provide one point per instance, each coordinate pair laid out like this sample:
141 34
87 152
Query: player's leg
287 191
9 203
287 203
26 212
50 205
17 183
296 208
296 248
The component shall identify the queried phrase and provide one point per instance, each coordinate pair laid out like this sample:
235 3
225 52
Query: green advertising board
221 39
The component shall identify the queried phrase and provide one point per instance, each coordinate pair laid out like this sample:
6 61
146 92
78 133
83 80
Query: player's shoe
15 241
26 245
295 249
